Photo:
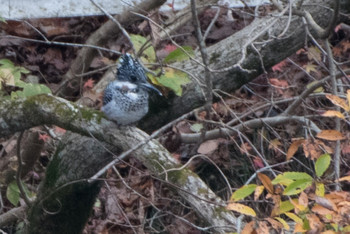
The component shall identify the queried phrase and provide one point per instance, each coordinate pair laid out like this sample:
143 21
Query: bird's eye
133 78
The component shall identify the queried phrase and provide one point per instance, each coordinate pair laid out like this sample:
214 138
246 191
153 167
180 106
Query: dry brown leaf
208 147
303 199
266 181
299 228
332 113
258 191
275 224
277 204
312 148
348 96
249 228
326 203
263 228
318 209
293 148
338 101
330 135
345 178
245 148
315 223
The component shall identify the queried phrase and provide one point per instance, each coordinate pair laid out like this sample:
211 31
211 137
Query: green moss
180 176
213 57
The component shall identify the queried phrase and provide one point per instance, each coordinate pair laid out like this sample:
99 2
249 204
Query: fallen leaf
266 181
258 192
314 53
248 228
279 66
293 148
309 67
245 148
208 147
243 209
331 135
44 137
338 102
332 113
89 84
258 162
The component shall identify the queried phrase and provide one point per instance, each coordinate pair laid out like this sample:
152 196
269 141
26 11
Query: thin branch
332 72
250 124
19 171
308 91
125 33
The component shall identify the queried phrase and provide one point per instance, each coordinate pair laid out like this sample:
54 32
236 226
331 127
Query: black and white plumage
125 100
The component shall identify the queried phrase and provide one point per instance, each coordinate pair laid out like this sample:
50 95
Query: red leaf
258 163
279 66
89 84
44 137
170 47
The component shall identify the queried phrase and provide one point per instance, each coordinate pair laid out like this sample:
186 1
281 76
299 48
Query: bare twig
332 72
250 124
19 172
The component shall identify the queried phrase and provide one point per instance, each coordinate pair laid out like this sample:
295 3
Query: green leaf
289 177
322 164
140 42
173 79
6 63
179 54
12 193
286 206
297 186
243 192
30 90
2 19
197 127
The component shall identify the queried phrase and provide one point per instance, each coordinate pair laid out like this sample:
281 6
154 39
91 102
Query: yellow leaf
241 209
258 192
294 217
330 135
7 77
338 101
274 143
318 90
293 148
283 222
320 190
309 67
314 53
265 180
332 113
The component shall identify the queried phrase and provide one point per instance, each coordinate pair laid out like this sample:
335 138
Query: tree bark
264 34
21 114
65 199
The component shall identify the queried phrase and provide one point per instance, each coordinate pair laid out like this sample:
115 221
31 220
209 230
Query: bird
125 100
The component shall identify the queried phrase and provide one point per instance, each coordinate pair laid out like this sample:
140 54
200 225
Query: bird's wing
108 95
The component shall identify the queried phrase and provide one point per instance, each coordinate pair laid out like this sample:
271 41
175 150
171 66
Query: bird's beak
151 87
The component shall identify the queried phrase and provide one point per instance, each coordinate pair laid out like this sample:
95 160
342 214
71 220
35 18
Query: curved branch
21 114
